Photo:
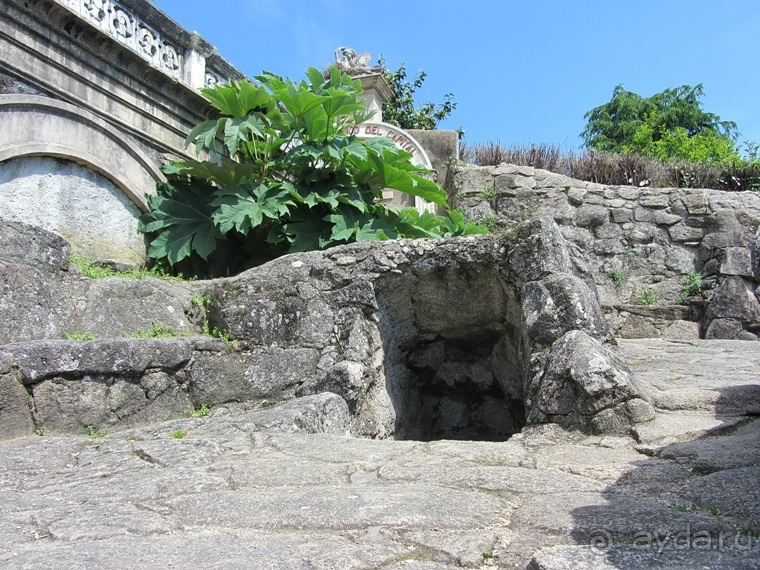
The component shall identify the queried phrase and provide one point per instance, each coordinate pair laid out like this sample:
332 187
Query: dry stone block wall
641 244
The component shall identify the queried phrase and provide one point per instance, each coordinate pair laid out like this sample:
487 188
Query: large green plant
282 176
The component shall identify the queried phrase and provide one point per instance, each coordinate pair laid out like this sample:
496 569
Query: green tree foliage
402 110
668 125
282 176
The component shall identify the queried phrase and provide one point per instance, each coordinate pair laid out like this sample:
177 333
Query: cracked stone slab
412 505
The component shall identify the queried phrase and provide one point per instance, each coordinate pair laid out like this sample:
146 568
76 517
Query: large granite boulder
425 339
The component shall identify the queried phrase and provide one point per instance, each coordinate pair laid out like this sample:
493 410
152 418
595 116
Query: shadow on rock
692 503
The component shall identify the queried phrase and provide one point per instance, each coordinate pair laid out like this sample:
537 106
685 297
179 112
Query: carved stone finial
348 61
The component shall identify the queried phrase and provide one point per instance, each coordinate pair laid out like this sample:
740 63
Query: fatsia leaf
299 101
316 123
341 103
204 135
401 179
306 231
183 221
377 229
356 150
245 207
238 98
347 222
239 130
227 173
315 76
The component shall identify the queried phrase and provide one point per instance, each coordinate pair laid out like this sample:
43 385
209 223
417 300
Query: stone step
662 321
61 386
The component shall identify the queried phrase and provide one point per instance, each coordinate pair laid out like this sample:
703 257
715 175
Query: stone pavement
250 489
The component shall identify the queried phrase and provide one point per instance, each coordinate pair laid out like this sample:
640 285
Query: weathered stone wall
641 244
82 206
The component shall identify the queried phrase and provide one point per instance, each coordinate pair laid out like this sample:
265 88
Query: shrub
620 169
290 179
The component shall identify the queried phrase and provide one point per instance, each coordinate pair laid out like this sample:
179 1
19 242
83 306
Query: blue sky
521 72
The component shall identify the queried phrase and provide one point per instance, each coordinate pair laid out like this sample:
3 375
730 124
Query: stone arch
34 125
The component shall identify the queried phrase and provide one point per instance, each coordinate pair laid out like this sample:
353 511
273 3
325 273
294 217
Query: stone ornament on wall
211 79
127 29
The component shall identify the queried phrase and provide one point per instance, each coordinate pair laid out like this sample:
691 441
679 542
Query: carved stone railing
148 32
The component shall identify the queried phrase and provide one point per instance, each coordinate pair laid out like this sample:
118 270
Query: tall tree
671 124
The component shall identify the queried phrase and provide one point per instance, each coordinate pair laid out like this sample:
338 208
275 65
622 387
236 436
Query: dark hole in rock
453 357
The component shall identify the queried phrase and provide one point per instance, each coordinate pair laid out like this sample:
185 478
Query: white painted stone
75 202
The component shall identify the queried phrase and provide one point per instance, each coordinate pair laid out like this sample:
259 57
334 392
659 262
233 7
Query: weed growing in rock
752 531
715 509
648 297
630 254
222 334
488 193
490 222
201 412
617 277
95 434
203 302
79 335
692 286
179 434
97 270
159 330
40 431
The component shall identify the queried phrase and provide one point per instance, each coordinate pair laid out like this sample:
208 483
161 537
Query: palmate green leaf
426 224
356 198
227 173
341 103
355 150
155 218
307 231
239 130
347 221
182 219
245 207
272 81
317 123
315 76
204 135
400 179
378 229
382 144
299 101
238 98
